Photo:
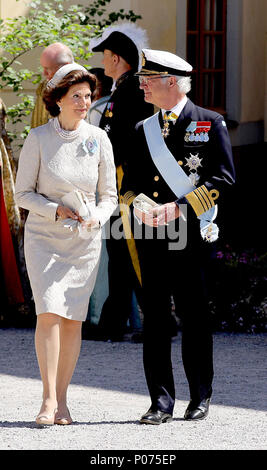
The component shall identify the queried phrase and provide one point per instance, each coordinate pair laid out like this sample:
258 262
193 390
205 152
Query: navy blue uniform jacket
215 173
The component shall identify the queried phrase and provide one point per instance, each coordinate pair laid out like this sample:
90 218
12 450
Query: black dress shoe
197 411
155 417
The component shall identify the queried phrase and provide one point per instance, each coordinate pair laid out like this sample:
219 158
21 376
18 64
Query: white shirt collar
177 109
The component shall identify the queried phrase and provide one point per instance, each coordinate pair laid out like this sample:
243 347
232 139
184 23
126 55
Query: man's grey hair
184 84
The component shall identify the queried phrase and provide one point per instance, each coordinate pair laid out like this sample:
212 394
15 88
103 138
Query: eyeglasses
146 80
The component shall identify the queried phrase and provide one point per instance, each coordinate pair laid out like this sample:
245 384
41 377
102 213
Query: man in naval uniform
122 54
183 162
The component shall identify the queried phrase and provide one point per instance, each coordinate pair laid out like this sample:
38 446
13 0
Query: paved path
108 394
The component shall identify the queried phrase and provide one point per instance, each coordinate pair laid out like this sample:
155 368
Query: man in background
52 58
121 47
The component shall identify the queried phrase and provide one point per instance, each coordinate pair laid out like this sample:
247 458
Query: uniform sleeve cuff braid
201 199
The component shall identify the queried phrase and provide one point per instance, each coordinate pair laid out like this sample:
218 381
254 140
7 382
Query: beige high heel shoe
46 419
63 420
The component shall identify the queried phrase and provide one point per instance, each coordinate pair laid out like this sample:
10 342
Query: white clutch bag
77 201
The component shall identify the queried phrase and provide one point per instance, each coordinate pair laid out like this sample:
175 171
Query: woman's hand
64 212
90 224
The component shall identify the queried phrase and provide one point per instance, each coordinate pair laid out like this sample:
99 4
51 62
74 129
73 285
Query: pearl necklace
65 134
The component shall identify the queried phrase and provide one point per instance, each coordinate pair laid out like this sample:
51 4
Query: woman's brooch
89 146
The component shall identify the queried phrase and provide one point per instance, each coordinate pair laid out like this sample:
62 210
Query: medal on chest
197 131
108 112
167 118
193 162
107 128
165 129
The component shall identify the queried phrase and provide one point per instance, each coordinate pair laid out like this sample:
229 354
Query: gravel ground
108 395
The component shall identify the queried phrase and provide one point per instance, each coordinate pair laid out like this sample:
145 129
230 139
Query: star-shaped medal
193 162
107 128
165 132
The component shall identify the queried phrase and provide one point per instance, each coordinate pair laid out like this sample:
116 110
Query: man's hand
160 215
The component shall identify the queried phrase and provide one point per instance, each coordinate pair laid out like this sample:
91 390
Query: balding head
53 57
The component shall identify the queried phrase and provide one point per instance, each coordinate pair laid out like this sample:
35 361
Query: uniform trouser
183 275
122 282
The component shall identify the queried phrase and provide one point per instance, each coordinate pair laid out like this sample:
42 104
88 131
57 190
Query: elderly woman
62 249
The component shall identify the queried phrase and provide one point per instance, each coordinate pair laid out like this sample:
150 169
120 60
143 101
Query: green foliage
46 23
97 15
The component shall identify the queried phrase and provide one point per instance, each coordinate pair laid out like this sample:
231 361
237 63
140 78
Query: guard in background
183 162
100 96
99 295
122 52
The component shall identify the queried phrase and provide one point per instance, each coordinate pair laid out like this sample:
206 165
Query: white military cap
163 63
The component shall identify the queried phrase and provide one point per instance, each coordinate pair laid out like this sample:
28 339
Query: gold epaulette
201 199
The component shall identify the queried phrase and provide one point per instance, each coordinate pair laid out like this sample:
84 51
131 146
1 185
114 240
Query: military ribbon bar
202 126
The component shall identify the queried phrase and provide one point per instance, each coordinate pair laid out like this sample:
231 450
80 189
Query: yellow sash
127 228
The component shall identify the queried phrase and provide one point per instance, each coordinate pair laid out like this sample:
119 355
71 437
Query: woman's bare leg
47 346
70 345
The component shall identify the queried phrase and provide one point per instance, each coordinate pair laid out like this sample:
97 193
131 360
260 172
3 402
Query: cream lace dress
62 266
